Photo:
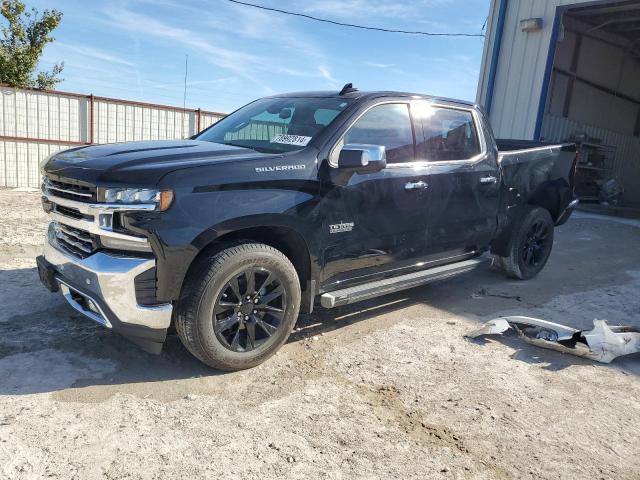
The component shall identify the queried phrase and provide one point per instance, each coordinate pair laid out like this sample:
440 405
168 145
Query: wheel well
548 204
500 244
287 240
553 196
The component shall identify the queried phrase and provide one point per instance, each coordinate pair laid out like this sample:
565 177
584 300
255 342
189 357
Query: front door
375 222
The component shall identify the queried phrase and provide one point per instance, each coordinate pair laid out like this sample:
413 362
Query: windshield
276 125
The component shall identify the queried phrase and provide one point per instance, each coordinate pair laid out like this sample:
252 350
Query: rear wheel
239 306
530 245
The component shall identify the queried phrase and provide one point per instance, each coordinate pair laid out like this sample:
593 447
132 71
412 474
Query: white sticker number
298 140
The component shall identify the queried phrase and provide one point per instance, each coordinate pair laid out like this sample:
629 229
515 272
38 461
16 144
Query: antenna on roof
348 88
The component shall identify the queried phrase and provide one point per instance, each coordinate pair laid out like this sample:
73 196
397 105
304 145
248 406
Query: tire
251 322
530 245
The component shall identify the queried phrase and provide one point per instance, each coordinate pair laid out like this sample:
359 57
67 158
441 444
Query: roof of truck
357 94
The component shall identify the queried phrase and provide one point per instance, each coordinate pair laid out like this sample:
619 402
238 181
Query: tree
22 43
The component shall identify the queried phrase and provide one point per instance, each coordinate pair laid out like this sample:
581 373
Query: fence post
91 118
198 113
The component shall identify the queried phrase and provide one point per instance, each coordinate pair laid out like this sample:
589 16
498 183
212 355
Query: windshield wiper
254 148
231 144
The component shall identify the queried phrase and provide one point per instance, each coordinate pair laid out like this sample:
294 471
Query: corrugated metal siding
487 52
627 160
520 72
116 122
35 124
207 119
40 115
19 162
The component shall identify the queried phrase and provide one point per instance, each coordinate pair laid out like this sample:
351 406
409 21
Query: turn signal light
166 199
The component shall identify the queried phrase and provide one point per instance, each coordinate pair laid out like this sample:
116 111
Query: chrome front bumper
101 287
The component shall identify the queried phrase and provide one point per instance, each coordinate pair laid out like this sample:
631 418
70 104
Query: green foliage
24 34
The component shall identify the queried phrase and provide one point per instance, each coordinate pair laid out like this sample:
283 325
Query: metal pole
186 69
91 106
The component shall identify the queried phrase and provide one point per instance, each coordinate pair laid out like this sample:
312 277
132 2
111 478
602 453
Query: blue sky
135 49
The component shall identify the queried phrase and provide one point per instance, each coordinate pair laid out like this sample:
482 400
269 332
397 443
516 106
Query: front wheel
239 306
530 244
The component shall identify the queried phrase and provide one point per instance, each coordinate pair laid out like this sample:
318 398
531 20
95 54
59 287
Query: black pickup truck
293 200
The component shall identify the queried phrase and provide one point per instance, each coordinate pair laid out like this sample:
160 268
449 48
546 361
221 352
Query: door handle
488 180
415 185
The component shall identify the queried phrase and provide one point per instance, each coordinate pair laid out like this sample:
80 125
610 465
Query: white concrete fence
36 123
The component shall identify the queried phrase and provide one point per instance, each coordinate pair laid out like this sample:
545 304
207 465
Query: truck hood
141 163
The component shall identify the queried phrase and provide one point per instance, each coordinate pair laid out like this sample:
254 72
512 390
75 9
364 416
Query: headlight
161 198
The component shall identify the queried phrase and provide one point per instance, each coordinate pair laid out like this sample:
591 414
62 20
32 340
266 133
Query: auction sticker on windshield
299 140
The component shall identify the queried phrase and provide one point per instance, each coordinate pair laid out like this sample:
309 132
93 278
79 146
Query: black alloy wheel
238 305
537 244
249 309
530 244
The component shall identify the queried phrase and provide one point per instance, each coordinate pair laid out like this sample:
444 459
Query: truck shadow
487 294
45 346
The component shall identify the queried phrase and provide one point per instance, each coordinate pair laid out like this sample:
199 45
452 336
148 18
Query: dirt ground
384 389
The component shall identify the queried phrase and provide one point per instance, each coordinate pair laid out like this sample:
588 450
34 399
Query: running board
337 298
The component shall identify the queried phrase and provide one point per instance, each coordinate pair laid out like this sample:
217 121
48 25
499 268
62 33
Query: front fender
196 220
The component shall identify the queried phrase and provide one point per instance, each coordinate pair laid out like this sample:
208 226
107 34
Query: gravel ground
384 389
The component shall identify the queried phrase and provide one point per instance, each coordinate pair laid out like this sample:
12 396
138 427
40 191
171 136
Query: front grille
69 190
79 243
72 213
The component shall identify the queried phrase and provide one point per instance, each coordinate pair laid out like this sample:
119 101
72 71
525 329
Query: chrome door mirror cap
362 158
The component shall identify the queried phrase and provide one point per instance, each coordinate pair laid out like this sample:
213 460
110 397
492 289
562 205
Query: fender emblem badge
341 227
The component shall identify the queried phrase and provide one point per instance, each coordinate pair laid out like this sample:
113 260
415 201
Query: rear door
464 179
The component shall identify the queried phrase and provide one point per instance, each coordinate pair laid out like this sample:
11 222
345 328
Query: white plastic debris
492 327
603 343
562 332
608 342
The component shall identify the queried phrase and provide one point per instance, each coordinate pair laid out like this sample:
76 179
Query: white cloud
138 24
95 53
379 65
359 9
326 74
276 45
268 28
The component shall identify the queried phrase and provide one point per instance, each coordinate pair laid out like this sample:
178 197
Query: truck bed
510 145
539 170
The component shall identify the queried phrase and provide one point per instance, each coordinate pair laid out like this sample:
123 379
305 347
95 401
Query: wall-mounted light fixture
531 24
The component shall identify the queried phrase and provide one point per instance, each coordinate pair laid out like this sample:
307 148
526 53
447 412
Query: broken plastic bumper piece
603 343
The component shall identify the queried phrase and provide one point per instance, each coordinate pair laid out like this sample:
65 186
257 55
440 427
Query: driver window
388 125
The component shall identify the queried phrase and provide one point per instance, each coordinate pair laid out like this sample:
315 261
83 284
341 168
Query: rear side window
448 134
388 125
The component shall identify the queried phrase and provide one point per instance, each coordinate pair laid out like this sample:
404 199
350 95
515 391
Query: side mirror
362 158
285 113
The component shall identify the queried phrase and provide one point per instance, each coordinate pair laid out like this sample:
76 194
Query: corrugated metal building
36 123
569 70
